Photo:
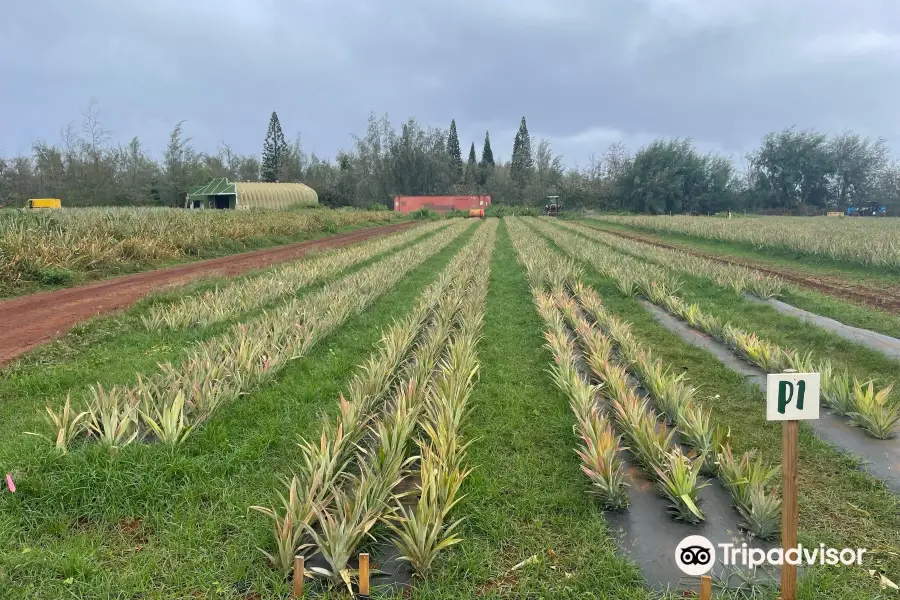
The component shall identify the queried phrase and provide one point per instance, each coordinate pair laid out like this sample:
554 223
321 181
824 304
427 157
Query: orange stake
363 574
298 576
706 588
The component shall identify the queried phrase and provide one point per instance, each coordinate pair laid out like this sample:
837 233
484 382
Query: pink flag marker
9 482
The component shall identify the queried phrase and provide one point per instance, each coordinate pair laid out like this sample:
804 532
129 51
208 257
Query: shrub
423 214
501 210
55 276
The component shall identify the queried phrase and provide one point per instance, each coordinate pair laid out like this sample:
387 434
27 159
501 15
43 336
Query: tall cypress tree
472 170
454 152
275 150
522 162
516 151
487 159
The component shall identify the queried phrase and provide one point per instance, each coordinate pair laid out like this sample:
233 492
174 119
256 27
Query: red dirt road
887 299
32 320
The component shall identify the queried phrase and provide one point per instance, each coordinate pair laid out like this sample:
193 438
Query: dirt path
32 320
887 299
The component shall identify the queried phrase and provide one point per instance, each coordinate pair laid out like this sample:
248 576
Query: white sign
792 396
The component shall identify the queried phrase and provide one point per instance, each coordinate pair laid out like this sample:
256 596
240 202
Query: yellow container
44 203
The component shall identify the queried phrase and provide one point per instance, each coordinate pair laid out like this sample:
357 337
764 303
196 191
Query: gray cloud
584 72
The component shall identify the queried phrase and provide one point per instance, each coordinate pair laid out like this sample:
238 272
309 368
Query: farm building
221 193
441 204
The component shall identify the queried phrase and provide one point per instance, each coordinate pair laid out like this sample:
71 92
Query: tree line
791 171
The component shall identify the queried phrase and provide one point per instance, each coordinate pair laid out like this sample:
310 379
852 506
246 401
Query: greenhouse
223 194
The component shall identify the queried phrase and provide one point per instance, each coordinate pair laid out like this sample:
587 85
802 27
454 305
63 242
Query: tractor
553 206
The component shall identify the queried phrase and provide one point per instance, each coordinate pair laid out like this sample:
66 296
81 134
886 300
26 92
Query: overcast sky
585 73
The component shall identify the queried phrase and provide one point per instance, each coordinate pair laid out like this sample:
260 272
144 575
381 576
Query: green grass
844 312
839 505
52 278
527 494
769 257
69 530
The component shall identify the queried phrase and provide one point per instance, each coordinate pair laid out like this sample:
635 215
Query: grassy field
47 249
437 386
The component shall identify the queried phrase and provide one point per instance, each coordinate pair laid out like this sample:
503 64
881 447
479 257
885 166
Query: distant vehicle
553 206
44 203
872 209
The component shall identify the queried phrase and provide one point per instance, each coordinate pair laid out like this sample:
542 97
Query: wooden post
706 588
789 508
364 575
791 397
298 576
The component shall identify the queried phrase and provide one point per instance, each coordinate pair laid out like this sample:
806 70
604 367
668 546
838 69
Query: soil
30 321
887 299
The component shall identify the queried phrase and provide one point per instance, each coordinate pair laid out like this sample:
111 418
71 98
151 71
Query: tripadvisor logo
695 555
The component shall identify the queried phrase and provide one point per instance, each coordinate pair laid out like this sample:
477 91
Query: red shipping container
441 204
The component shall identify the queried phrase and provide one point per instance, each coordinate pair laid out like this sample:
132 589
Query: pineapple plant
67 425
421 533
694 425
836 388
678 480
600 461
762 516
650 440
872 410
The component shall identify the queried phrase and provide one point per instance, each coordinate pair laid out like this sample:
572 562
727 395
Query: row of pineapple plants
747 479
414 388
862 403
599 447
610 352
737 278
631 276
346 481
245 295
423 530
865 405
168 405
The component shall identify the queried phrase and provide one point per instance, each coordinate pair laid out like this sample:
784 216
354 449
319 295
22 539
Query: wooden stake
706 588
298 576
789 508
363 574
